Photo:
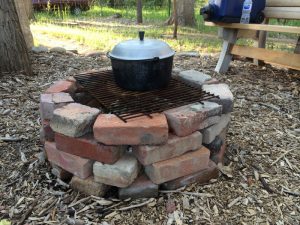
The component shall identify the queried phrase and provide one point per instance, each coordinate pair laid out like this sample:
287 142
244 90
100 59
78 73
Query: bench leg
297 49
229 37
261 43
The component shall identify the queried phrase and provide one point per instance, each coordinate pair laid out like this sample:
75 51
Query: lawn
107 30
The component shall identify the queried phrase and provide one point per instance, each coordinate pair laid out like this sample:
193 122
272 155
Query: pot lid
142 49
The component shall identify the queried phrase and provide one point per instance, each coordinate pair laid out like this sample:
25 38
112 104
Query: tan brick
88 186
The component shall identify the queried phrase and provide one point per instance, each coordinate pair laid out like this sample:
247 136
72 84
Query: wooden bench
230 32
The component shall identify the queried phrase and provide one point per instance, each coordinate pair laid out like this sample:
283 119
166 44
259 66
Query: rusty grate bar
130 104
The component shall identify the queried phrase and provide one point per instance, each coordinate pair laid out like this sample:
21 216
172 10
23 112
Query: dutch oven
142 64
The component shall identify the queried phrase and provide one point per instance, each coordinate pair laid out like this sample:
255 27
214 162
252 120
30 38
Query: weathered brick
62 86
110 130
194 78
88 186
47 132
50 102
180 166
74 119
175 146
88 147
200 177
210 133
187 119
142 187
223 91
61 173
120 174
74 164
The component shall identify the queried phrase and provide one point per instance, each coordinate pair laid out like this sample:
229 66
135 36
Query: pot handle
107 55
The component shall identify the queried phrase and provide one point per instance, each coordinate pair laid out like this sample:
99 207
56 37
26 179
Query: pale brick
88 186
180 166
74 164
210 133
187 119
110 130
225 96
142 187
200 177
175 146
74 119
50 102
120 174
194 78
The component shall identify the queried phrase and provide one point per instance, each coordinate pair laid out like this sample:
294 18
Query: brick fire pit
96 151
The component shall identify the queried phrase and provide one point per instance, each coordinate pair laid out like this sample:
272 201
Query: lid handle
141 35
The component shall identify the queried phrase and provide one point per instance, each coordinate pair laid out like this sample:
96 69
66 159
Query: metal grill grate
129 104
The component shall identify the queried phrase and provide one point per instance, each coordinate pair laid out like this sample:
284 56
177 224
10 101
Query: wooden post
297 49
229 36
261 43
175 19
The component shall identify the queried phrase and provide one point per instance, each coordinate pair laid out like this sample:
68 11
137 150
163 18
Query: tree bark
139 11
186 13
24 10
13 50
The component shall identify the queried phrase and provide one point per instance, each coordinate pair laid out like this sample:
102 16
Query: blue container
230 11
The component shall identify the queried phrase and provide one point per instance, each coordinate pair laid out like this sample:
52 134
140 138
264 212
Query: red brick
142 187
88 186
180 166
88 147
175 146
201 177
62 86
110 130
187 119
74 164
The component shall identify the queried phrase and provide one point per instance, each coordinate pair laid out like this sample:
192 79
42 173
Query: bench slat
282 12
283 3
286 59
264 27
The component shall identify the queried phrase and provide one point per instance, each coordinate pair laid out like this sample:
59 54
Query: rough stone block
180 166
74 164
61 173
142 187
194 78
187 119
88 186
175 146
110 130
120 174
223 91
62 86
50 102
210 133
88 147
74 119
201 177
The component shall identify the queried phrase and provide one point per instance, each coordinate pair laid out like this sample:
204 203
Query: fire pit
99 136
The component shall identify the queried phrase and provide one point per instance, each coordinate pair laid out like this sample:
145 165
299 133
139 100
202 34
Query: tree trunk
139 11
24 10
186 13
13 50
175 19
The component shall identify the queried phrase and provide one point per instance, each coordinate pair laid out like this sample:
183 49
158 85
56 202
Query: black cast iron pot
142 65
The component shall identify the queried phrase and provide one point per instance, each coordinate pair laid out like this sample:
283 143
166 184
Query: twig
79 201
28 212
42 213
188 193
291 193
283 155
7 139
265 184
136 206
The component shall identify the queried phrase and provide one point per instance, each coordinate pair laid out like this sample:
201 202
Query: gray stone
225 95
210 133
188 54
39 49
187 119
74 120
142 187
194 78
58 49
120 174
